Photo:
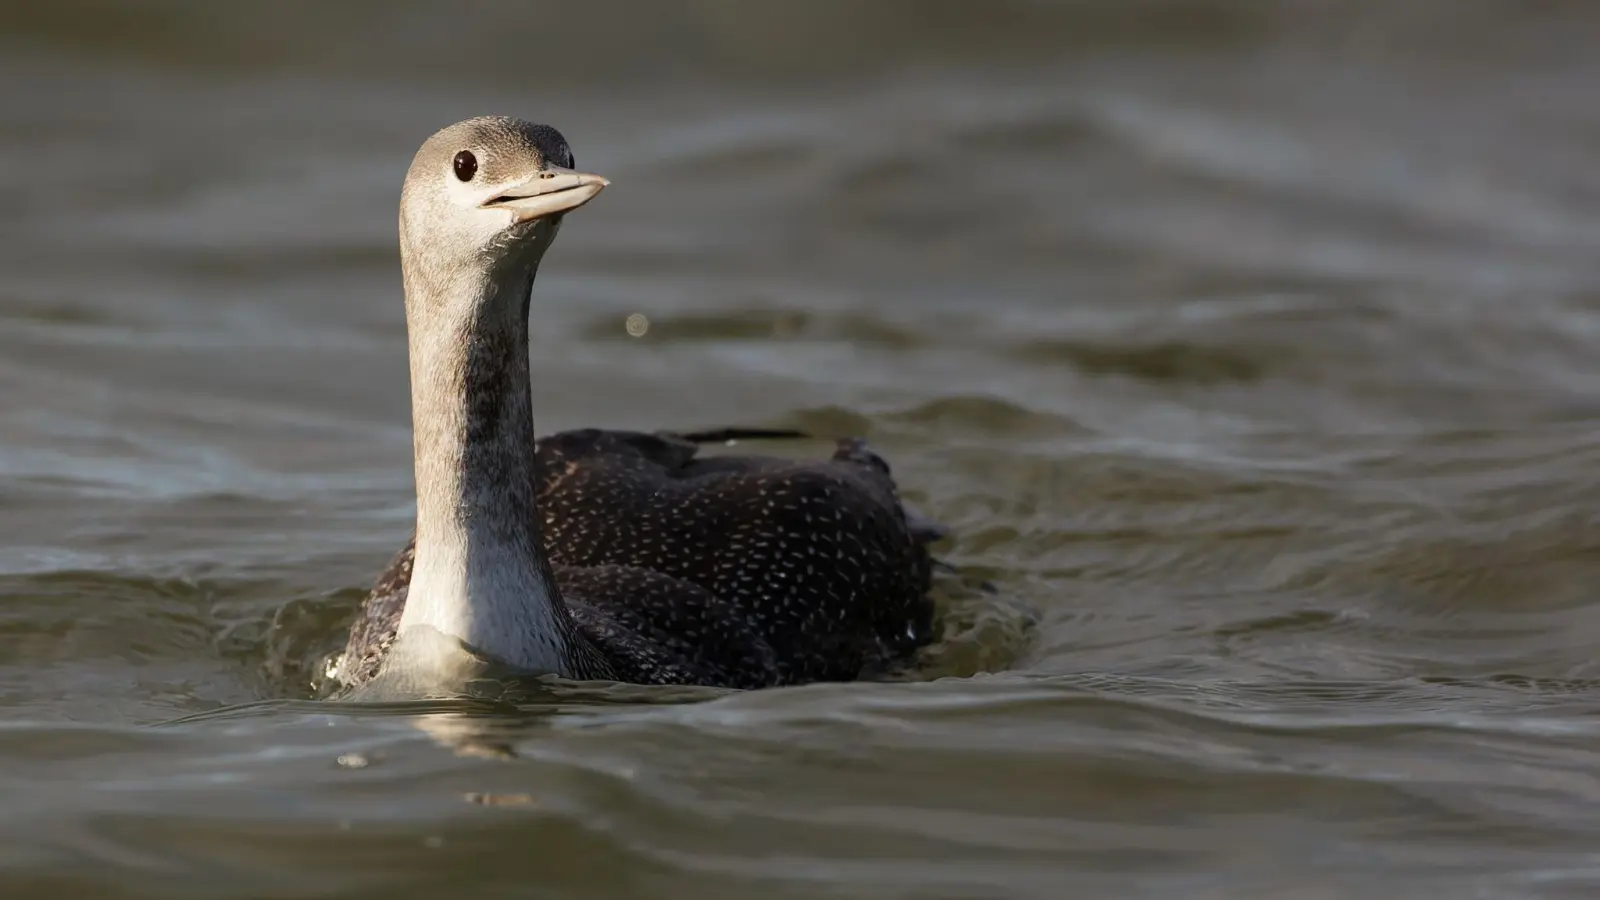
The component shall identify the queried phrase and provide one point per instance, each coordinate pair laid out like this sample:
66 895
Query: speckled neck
480 574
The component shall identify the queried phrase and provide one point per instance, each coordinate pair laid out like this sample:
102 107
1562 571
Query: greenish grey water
1251 351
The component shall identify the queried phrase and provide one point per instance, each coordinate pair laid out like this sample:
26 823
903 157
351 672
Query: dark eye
466 165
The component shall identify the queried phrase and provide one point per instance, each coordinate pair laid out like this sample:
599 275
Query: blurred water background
1251 350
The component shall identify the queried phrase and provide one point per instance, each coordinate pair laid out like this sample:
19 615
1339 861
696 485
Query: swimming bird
597 554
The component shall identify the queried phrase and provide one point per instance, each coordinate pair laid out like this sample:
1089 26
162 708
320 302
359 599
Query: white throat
479 574
477 589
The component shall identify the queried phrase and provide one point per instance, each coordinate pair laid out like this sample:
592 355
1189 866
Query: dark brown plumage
734 571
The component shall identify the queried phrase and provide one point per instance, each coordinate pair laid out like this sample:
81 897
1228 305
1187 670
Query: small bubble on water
637 325
354 761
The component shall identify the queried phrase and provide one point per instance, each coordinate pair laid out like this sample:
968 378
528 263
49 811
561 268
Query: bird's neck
480 575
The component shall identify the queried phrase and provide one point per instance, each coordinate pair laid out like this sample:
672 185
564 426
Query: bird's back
797 570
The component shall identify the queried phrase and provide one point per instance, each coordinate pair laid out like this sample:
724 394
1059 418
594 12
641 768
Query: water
1251 351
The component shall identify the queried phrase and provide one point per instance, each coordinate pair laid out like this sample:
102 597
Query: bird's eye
466 165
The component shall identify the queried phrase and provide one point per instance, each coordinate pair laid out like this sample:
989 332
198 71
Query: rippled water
1252 352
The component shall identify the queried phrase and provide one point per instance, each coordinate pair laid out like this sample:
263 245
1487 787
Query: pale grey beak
548 192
